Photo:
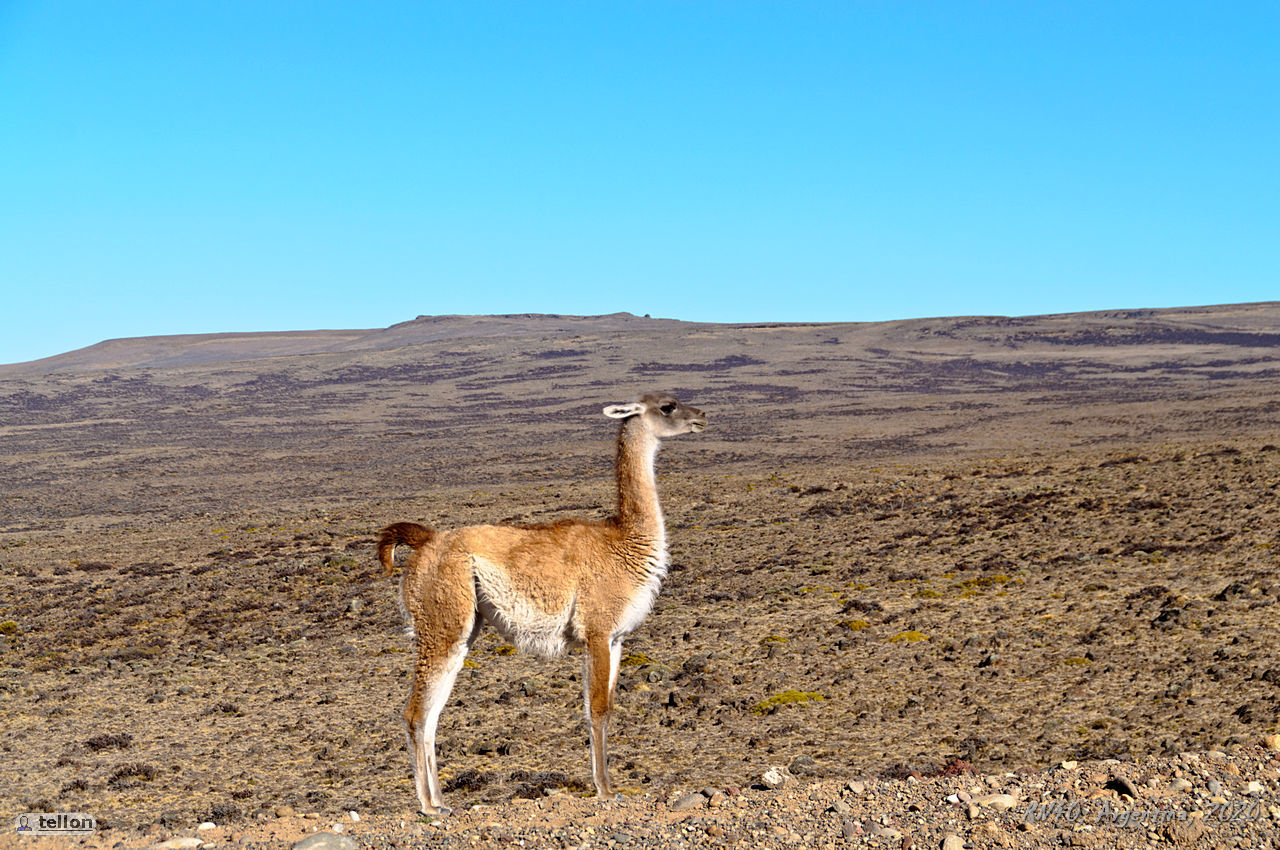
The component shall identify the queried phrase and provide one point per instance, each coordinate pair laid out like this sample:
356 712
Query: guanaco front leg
600 675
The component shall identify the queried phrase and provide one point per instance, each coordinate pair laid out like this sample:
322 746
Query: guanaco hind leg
433 679
600 660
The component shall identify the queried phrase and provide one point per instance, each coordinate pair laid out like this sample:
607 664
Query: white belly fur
517 619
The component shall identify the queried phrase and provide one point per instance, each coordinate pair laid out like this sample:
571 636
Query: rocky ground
1192 800
946 588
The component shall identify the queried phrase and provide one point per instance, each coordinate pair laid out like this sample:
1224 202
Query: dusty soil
923 555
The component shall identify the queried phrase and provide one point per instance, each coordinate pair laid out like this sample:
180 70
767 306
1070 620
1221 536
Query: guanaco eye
668 409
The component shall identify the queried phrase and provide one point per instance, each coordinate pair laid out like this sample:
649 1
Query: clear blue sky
178 167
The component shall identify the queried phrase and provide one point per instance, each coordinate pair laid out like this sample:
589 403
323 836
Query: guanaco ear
622 411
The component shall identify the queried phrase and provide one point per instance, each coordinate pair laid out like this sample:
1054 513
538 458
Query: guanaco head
663 414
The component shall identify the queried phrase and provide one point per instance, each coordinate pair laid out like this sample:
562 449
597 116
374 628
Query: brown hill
1008 541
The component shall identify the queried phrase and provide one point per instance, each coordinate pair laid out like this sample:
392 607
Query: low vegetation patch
773 703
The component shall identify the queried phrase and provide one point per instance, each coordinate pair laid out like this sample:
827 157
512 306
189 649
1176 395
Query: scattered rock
355 606
1272 742
1121 785
777 777
887 833
1185 833
206 826
695 664
802 765
1254 788
686 802
285 812
857 787
998 802
1180 785
840 807
183 843
325 841
952 842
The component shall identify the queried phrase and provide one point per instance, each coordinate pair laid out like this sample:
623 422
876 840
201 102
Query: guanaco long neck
638 509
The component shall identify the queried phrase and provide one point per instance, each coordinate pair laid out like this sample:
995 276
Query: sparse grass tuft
908 637
790 697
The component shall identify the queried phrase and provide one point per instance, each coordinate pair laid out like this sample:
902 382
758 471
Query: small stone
801 765
696 664
1275 813
850 830
1069 765
325 841
1272 742
887 833
183 843
840 807
1216 754
355 606
1180 785
688 801
355 816
1186 833
776 777
856 787
1121 785
1215 787
285 812
952 842
999 802
717 800
1254 787
714 830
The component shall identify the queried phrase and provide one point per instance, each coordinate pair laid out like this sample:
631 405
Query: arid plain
1006 542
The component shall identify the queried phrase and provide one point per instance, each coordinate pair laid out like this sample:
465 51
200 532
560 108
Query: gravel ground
1211 799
